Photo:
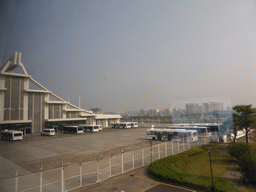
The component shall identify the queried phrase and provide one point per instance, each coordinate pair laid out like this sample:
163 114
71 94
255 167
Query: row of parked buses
11 135
73 129
170 134
201 128
124 125
82 128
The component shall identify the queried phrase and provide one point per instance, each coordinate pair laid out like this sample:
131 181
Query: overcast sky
131 55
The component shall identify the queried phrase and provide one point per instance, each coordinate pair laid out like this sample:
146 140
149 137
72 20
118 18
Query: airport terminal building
28 106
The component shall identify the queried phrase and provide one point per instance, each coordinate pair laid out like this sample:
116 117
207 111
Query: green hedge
246 159
240 149
170 169
247 164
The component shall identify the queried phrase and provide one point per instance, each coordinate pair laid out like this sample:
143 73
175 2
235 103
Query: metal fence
68 178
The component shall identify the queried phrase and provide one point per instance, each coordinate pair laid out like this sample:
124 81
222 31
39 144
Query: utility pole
79 101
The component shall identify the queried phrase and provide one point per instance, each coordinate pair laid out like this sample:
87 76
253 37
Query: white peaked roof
14 67
14 63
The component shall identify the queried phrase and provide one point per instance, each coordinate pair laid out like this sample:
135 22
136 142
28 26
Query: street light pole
151 150
209 151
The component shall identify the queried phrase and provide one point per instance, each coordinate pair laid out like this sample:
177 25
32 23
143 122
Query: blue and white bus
170 134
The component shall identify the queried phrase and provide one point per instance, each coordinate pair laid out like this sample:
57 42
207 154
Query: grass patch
196 173
221 162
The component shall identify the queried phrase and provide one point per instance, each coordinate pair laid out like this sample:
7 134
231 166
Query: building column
2 96
25 100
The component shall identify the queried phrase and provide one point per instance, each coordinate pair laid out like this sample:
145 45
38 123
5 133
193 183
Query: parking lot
37 151
71 161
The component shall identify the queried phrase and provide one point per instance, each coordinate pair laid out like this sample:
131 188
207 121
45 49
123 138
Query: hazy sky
129 55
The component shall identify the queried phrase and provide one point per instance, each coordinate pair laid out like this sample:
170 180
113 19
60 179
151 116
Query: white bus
114 125
122 125
155 134
188 135
200 130
49 132
11 135
134 124
169 134
200 127
125 125
99 127
90 128
73 129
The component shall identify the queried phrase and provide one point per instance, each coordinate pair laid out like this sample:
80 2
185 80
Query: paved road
44 150
28 155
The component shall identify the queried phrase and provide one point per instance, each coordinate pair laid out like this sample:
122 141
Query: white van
49 132
99 127
90 128
11 135
134 124
73 129
125 125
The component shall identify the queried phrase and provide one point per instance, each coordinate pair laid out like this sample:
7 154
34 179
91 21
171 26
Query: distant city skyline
203 108
130 55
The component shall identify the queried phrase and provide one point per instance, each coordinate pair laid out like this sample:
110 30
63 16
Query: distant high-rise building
192 108
142 112
168 111
152 112
176 111
229 108
212 106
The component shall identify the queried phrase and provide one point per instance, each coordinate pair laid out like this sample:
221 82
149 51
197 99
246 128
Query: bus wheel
154 138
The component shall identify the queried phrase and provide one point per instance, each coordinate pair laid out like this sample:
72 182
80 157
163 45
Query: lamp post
209 151
151 150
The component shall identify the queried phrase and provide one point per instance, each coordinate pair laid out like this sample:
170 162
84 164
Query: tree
235 128
243 117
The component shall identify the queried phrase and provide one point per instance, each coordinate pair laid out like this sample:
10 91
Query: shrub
193 151
237 150
247 164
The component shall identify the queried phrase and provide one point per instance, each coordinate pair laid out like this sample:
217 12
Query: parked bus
114 125
73 129
209 127
90 128
124 125
11 135
169 134
134 124
48 132
200 130
99 127
189 135
157 134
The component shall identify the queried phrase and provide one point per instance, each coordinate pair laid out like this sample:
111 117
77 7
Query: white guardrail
68 178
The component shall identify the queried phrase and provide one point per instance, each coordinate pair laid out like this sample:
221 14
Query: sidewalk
133 181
